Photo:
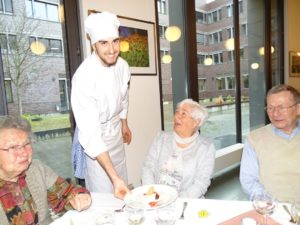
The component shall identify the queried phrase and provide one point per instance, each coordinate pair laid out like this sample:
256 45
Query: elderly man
99 100
28 188
270 161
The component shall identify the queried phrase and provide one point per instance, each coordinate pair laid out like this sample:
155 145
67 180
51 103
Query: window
8 90
214 16
245 80
8 42
225 83
230 32
161 6
200 59
202 84
53 46
215 38
229 10
241 8
201 17
6 6
217 58
244 29
42 10
200 38
215 24
231 55
162 30
164 52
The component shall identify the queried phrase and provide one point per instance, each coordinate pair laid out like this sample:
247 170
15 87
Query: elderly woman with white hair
182 158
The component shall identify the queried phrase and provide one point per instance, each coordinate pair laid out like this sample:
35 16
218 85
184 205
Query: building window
6 6
217 58
8 90
201 17
164 52
225 83
244 29
200 38
53 46
229 10
215 38
8 42
161 6
162 30
245 78
241 7
231 55
42 10
202 84
200 59
214 16
230 32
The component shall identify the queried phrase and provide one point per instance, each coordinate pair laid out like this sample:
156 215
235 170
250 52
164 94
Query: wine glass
165 215
264 204
295 212
135 211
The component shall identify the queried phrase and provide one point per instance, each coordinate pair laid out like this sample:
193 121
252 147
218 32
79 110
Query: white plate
167 195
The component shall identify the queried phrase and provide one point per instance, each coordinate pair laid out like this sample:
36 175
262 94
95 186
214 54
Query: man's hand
126 133
81 201
120 188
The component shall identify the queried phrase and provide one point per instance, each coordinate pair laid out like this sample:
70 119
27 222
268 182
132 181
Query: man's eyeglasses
280 109
17 148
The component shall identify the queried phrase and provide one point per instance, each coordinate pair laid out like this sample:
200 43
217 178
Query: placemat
237 220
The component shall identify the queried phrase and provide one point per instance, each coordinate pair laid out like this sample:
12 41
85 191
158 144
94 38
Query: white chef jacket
99 99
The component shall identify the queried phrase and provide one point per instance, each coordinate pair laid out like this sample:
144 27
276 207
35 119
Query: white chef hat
101 26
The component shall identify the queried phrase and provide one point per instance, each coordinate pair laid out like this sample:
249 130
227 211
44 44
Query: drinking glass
264 204
135 211
165 215
295 212
106 217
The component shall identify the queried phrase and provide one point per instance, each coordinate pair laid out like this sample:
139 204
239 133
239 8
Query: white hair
198 112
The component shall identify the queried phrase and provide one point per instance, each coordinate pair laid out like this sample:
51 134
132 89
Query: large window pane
217 72
31 73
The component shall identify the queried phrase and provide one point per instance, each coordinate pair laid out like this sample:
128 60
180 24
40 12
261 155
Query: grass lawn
48 121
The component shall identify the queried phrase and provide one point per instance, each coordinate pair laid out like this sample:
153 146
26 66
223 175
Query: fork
183 209
121 209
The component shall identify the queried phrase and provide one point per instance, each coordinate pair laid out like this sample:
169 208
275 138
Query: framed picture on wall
137 45
294 64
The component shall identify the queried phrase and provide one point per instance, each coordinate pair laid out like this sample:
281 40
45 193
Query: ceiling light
254 66
166 59
173 33
38 47
229 44
208 61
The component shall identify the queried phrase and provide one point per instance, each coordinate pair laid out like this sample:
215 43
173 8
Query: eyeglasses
183 113
17 148
280 109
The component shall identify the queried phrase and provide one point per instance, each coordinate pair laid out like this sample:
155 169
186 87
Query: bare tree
19 61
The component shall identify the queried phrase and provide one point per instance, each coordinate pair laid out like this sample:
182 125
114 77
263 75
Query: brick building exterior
214 26
45 89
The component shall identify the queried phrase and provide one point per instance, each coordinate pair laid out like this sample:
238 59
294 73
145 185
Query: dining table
216 212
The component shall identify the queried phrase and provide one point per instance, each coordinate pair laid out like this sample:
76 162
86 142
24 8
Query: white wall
292 37
144 103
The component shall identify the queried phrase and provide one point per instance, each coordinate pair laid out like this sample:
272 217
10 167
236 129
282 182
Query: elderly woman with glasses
182 158
27 187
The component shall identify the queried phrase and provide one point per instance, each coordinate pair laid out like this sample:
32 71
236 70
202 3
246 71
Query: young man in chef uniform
99 99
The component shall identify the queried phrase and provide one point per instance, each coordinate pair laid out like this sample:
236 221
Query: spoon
288 211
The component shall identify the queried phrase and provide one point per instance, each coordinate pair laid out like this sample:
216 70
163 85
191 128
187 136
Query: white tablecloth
218 211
